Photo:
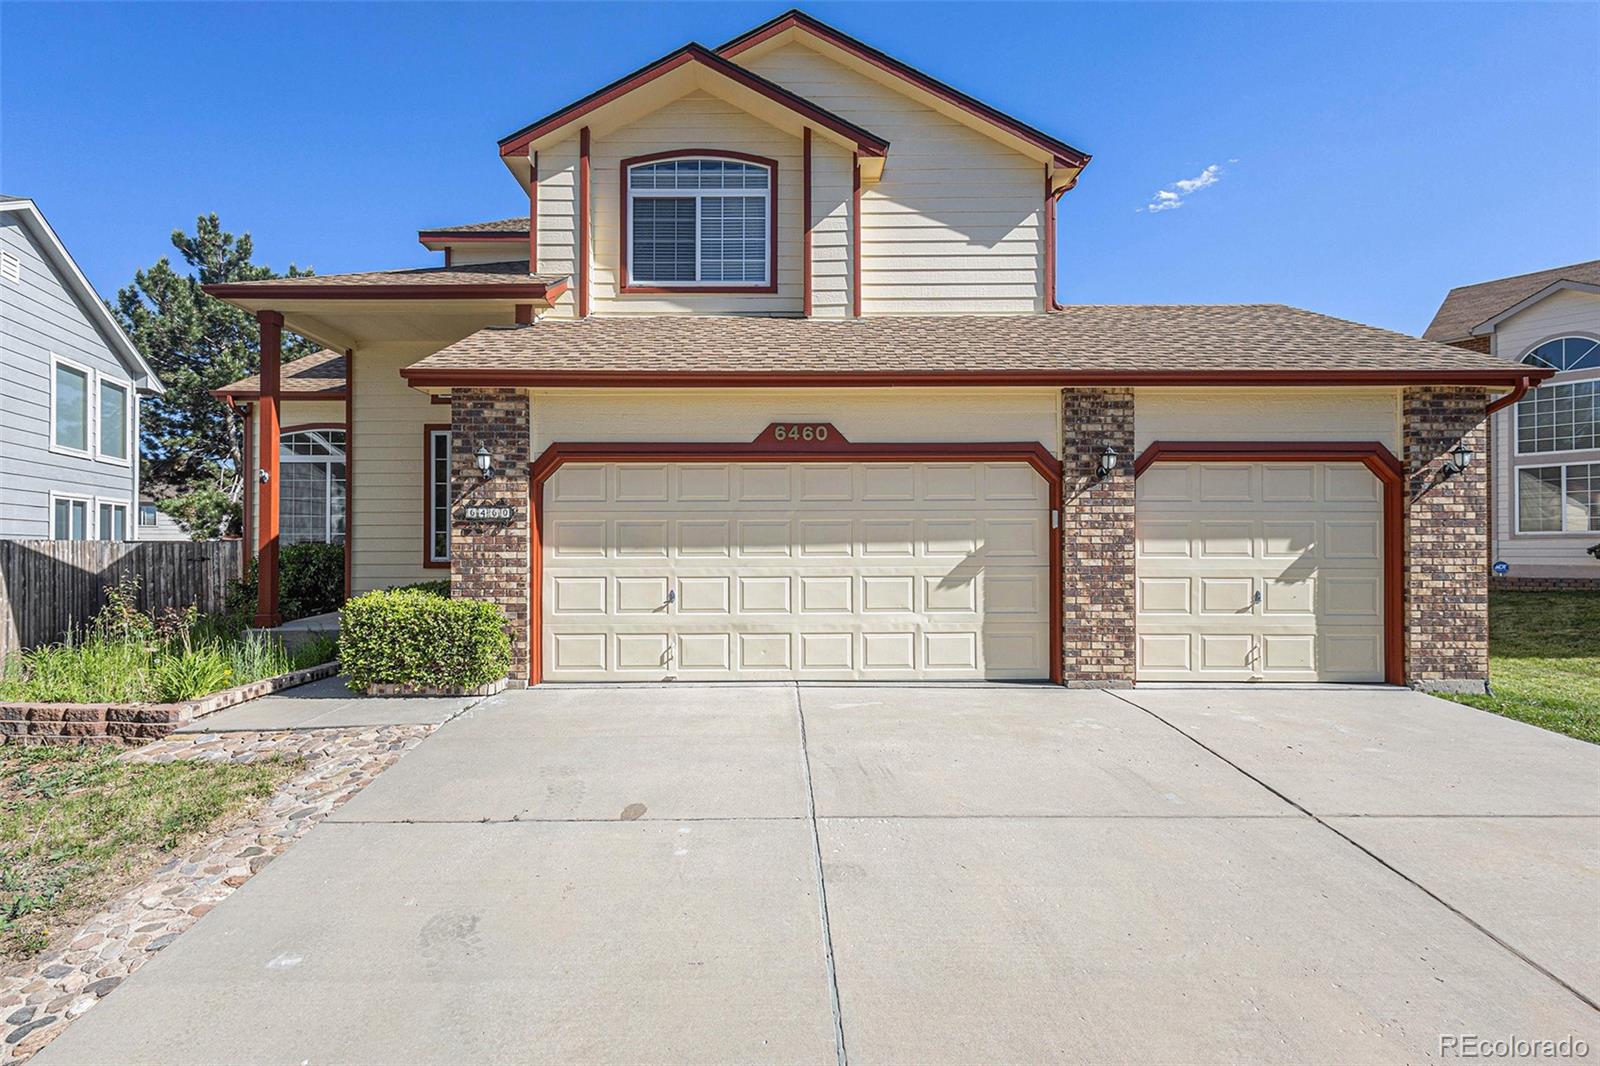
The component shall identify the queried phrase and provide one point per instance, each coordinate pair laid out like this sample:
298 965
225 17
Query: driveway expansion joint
1374 856
840 1051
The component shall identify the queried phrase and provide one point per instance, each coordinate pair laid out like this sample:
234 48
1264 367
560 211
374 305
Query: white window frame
90 514
91 398
155 516
766 195
1516 500
327 461
1569 377
111 501
434 436
100 381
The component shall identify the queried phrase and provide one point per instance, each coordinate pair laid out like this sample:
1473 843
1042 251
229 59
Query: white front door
819 570
1260 572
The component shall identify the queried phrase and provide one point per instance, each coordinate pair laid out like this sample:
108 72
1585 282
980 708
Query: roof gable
676 74
89 302
1469 308
796 25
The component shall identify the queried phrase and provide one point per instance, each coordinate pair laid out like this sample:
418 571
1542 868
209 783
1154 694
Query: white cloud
1172 197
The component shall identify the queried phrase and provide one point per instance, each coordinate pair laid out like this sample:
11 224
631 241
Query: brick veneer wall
489 561
1098 592
1446 540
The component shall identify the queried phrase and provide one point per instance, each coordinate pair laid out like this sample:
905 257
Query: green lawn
1544 661
77 826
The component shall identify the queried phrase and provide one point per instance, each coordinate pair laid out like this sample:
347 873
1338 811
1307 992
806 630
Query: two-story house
769 381
1544 450
70 382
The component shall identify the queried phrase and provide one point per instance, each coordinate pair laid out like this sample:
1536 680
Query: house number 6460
808 432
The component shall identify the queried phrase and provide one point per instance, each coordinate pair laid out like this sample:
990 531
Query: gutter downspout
1523 385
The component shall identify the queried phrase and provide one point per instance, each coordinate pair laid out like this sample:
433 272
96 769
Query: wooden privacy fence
48 587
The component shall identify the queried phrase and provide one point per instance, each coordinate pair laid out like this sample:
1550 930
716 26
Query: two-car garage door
1260 572
802 570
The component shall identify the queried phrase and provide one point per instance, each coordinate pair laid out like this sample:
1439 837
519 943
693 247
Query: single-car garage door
778 570
1260 572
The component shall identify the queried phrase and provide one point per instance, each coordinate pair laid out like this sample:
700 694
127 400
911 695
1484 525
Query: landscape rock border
134 723
36 1005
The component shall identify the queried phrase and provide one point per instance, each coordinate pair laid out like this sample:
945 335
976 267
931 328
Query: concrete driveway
911 874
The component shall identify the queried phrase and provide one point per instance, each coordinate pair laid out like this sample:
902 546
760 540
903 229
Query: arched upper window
699 221
311 480
1566 353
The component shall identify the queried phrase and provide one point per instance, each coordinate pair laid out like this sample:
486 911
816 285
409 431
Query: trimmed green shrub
432 588
310 579
411 637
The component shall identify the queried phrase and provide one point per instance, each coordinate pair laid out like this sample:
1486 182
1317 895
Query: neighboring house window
69 518
438 495
1566 353
703 222
147 515
114 422
1558 499
1558 418
311 478
113 520
69 407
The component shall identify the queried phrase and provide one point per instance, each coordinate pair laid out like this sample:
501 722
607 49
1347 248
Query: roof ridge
1528 274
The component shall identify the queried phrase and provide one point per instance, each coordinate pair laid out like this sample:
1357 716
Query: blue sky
1369 156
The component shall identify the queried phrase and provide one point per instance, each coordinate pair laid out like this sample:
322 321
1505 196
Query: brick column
489 560
1446 541
1097 615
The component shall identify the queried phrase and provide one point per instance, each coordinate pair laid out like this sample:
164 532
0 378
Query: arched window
699 222
1566 353
311 479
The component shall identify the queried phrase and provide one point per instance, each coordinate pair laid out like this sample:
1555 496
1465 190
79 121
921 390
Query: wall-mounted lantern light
1108 463
485 464
1460 458
262 476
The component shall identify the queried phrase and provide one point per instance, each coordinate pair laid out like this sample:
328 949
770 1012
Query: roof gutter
479 376
260 290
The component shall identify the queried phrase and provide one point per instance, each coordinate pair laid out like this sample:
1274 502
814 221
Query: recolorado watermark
1473 1046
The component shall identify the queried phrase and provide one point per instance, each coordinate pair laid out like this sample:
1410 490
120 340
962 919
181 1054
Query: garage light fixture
485 463
1108 463
1460 458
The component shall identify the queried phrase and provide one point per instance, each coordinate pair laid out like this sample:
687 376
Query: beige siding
558 218
956 223
831 173
291 413
386 474
1263 414
1540 554
697 120
489 252
733 415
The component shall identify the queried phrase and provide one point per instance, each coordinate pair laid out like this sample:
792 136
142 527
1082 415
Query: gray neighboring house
70 382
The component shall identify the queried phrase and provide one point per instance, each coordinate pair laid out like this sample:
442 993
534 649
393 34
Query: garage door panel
1307 539
848 579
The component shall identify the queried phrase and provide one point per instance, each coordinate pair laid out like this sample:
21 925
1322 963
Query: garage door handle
672 595
1256 599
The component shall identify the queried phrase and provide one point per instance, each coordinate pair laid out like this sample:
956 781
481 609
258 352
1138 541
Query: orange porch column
267 613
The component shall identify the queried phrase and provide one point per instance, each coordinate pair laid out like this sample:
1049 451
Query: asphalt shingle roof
1467 306
469 274
304 379
1083 340
509 227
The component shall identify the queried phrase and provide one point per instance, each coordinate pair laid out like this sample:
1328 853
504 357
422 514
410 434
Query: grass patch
78 826
1544 661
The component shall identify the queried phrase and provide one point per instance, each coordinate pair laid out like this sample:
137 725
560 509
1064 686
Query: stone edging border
36 1005
134 723
380 688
